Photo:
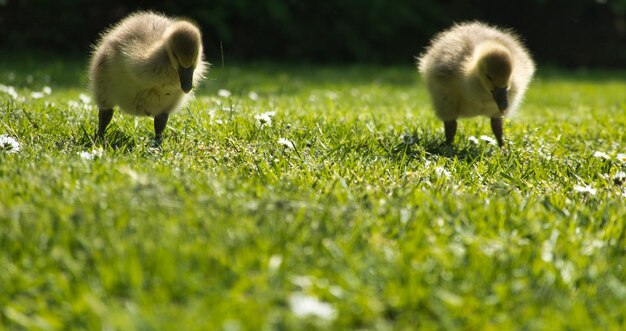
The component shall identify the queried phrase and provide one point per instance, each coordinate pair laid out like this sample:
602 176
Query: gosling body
147 64
474 69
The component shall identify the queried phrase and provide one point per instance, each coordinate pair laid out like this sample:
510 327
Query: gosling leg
160 121
450 129
104 118
496 127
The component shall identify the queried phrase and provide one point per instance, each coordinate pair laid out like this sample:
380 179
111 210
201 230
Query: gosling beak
499 95
186 78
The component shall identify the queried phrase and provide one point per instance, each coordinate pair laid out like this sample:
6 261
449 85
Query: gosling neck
158 57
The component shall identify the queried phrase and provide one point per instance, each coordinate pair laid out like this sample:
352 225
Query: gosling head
494 71
184 47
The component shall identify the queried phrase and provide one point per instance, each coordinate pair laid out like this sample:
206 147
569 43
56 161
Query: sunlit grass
312 197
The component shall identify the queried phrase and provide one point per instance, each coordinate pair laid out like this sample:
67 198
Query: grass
367 220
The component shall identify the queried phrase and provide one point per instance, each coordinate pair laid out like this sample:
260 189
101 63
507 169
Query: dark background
565 33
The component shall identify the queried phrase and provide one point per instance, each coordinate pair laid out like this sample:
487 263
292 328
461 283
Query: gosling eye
489 77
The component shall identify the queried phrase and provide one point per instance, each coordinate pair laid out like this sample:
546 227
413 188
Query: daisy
84 98
224 93
265 118
441 171
10 90
37 95
620 178
601 155
407 139
303 305
96 153
585 189
274 262
286 143
8 144
488 140
73 104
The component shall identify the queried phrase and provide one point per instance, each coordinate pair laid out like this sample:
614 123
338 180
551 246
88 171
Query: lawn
311 197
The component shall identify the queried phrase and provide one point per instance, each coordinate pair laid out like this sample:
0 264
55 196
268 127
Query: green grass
222 227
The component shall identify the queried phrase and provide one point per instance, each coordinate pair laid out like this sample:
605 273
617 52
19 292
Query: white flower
73 104
45 91
84 98
135 177
37 95
620 178
585 189
303 282
407 139
253 96
332 95
90 156
10 90
274 263
601 155
488 140
621 157
265 118
286 143
303 305
473 139
547 248
8 144
441 171
223 93
85 155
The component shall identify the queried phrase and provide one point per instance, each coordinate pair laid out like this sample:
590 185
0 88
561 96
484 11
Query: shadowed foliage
332 31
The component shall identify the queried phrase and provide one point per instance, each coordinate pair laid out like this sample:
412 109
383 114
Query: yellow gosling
148 65
474 69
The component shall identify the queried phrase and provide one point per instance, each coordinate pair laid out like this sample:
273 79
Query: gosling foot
450 130
160 122
104 118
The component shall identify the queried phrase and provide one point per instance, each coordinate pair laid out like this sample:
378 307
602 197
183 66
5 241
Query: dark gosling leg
496 127
450 129
160 121
104 118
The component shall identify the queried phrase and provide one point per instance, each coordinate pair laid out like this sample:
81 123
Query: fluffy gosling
474 69
147 64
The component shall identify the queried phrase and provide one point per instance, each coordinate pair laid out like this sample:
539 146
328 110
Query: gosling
147 65
474 69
